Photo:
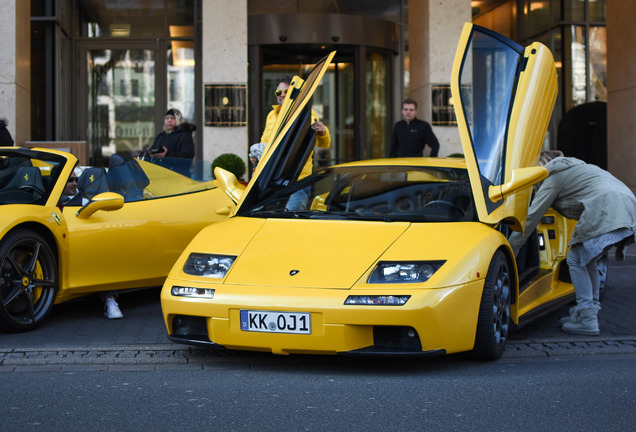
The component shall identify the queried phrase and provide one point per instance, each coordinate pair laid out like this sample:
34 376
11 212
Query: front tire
28 280
493 323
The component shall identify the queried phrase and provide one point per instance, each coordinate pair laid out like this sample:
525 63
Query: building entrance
354 99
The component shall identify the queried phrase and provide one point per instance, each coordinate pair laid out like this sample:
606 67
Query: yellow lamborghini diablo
405 256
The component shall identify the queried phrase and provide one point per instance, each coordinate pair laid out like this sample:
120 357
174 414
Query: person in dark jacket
605 209
411 134
174 146
5 136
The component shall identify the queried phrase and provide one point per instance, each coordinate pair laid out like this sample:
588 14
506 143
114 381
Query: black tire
28 280
602 273
493 323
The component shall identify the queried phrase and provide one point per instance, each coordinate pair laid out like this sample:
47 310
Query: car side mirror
229 184
107 201
522 178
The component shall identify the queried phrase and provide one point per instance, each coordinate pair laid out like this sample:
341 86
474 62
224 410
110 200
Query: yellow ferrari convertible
406 256
124 228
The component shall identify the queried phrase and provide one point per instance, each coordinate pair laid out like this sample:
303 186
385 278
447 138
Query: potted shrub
230 162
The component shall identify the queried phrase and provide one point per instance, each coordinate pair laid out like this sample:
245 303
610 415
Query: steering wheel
447 204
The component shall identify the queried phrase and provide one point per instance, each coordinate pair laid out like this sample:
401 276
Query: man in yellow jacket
322 132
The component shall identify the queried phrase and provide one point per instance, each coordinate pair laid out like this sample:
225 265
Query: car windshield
28 177
377 193
140 180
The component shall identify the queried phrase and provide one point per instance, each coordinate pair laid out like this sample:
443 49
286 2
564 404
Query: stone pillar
224 49
15 71
434 29
621 91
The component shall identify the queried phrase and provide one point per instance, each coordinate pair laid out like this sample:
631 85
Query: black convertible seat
92 182
128 179
27 178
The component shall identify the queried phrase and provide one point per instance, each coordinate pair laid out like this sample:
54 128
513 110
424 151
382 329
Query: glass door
118 97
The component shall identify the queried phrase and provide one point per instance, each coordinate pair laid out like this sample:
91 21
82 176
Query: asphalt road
77 334
311 393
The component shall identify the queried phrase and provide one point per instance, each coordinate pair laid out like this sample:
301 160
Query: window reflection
378 125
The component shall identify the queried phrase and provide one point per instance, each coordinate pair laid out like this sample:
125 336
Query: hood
294 253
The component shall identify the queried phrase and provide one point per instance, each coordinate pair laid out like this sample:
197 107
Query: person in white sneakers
111 307
606 213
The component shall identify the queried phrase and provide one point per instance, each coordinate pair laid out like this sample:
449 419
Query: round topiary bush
230 162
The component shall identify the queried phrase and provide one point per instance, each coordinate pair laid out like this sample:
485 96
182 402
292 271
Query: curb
153 357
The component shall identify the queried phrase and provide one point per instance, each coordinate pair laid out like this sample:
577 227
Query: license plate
276 322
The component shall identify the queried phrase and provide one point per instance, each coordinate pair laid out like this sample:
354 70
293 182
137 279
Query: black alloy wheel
28 280
493 323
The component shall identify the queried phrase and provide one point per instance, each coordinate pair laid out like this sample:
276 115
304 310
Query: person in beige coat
606 213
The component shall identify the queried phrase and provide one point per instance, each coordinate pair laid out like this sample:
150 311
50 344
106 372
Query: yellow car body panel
443 310
140 241
443 317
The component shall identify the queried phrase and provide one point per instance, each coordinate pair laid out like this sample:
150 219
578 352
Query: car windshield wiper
367 217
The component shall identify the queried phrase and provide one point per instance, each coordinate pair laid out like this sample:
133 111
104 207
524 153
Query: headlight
404 272
201 293
212 266
377 300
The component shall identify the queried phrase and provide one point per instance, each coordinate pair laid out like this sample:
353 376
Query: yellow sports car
404 256
124 228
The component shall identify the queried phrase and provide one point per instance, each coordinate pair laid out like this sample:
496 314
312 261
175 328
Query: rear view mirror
107 201
521 178
229 183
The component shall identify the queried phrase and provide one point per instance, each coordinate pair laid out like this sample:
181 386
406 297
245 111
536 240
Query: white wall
224 47
434 29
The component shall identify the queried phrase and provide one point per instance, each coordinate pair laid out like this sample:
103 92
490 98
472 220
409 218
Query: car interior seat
29 179
128 179
92 182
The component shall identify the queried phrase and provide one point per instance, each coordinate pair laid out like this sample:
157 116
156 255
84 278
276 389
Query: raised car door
292 142
503 95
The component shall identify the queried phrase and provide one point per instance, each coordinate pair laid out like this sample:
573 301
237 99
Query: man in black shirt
412 134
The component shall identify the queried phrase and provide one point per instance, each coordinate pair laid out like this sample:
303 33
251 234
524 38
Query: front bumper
433 322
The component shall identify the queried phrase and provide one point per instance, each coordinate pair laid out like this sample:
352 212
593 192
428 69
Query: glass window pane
579 65
134 18
538 15
121 101
574 10
180 12
598 64
556 11
597 10
378 125
181 78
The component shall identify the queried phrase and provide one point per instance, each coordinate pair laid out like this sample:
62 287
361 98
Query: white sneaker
111 309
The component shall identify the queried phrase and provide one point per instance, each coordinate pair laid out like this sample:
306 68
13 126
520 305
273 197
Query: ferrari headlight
202 293
212 266
404 272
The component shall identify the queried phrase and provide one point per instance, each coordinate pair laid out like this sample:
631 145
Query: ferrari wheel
494 312
28 280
